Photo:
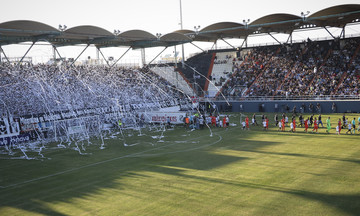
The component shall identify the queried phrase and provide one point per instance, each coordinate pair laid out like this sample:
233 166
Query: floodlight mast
182 45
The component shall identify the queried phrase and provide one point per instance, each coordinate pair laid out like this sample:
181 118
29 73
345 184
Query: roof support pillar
274 38
107 62
57 51
244 42
80 54
2 51
157 56
342 34
26 53
54 53
289 38
228 43
329 32
197 46
143 57
213 45
120 57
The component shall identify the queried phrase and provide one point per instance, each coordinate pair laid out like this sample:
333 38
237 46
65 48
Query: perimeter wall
342 106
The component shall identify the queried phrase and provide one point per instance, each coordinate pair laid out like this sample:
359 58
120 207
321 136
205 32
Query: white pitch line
97 163
181 151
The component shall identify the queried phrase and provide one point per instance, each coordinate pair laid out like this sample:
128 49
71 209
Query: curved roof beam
136 35
336 16
280 22
137 39
224 30
18 31
85 34
221 26
174 36
26 28
185 31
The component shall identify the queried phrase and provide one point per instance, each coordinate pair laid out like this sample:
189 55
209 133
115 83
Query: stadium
226 131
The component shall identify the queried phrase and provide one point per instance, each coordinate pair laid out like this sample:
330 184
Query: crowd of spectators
244 74
312 68
227 59
33 89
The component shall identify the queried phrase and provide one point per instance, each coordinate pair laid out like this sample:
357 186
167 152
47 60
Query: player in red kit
267 123
213 121
294 124
247 122
316 126
306 123
339 124
283 124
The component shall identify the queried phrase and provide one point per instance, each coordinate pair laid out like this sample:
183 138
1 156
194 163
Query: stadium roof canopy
281 23
14 32
24 30
18 31
337 16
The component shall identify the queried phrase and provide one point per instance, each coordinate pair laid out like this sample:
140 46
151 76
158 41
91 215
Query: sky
156 16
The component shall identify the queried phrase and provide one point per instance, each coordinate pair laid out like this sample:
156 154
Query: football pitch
185 172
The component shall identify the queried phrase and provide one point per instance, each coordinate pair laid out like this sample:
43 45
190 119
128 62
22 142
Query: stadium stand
197 69
222 71
172 76
35 89
310 68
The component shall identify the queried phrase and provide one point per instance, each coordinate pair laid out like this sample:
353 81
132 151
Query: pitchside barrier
163 117
305 106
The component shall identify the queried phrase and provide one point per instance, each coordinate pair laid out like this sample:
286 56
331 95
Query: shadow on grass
86 175
349 204
33 185
303 155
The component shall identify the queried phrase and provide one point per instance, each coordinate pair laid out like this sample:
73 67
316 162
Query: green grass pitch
234 172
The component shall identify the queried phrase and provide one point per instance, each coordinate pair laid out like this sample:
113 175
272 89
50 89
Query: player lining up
245 124
342 123
316 126
328 125
306 123
266 123
349 129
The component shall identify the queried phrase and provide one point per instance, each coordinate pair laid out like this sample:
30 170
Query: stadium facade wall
342 106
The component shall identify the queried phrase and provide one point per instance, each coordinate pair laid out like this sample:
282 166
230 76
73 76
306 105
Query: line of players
196 121
306 123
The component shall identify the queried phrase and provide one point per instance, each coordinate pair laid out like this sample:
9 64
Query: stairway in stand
227 82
